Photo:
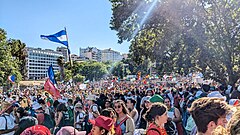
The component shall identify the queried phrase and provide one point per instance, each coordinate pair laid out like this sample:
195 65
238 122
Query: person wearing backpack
156 117
124 124
7 125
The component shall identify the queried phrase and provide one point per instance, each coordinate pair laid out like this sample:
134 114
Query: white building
111 55
77 58
64 51
38 61
91 53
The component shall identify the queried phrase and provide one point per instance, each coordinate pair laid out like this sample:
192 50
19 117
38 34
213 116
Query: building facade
111 55
77 58
91 53
39 60
64 52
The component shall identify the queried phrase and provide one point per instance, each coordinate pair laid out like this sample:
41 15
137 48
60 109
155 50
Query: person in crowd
107 104
173 116
70 108
36 130
233 126
157 117
69 130
80 115
208 113
48 100
25 121
109 112
61 117
7 124
124 124
44 106
102 126
131 102
142 123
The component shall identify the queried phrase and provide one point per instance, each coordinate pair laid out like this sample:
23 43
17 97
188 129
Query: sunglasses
119 106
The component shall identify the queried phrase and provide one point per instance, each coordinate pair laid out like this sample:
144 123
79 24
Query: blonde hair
233 125
220 131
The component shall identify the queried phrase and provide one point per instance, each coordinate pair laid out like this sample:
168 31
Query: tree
19 53
8 64
60 62
182 35
78 78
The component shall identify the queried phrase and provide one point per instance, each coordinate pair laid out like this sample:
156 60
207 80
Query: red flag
50 88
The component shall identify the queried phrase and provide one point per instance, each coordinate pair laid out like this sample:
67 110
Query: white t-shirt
10 123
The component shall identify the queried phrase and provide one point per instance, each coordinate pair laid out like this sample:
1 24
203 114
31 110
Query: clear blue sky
87 23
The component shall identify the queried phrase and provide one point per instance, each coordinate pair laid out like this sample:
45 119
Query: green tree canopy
182 35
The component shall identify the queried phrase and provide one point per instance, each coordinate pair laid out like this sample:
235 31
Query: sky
86 21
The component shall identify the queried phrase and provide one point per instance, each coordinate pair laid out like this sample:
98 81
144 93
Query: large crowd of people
122 108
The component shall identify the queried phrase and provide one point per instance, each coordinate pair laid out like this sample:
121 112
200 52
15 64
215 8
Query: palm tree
60 62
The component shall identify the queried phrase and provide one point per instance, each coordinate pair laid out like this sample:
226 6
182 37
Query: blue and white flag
60 37
51 74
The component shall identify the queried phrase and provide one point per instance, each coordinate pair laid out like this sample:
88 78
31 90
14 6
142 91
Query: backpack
48 121
170 128
118 130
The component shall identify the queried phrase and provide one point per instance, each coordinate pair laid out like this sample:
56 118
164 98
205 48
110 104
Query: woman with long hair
124 124
62 117
142 123
157 117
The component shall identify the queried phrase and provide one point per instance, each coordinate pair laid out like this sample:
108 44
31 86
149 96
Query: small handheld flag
12 78
60 37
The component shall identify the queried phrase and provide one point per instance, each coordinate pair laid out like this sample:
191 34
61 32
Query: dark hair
157 109
107 112
41 101
61 107
55 103
132 100
70 101
106 131
22 112
205 110
167 97
124 108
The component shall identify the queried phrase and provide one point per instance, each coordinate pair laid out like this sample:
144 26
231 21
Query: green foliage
19 53
90 69
120 69
182 35
9 65
78 78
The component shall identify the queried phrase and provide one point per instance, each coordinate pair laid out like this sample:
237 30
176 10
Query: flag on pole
60 37
51 74
50 88
12 78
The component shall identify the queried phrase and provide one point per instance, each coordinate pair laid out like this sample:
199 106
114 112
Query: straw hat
5 106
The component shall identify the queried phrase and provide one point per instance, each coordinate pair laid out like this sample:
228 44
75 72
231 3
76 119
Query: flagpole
69 55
